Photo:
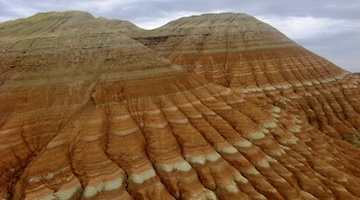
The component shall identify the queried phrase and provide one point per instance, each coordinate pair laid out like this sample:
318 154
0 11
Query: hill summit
216 106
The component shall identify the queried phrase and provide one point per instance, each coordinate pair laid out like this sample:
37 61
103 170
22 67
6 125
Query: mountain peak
74 13
53 15
120 25
216 106
211 20
51 23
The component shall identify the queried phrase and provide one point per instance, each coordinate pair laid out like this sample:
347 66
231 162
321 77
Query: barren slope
243 53
86 112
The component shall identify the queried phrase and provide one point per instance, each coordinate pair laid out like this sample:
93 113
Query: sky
329 28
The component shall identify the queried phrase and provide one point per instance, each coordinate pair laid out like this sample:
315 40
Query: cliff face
206 107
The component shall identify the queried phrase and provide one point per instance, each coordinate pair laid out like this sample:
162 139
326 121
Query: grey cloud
342 51
329 8
159 8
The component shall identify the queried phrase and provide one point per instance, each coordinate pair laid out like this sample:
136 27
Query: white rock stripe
68 190
202 159
140 178
126 132
181 166
99 186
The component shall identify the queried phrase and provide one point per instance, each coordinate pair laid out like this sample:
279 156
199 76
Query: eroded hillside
207 107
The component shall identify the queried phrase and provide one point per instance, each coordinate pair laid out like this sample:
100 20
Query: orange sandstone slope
86 112
243 53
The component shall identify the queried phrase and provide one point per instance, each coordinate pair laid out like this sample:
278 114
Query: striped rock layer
207 107
240 52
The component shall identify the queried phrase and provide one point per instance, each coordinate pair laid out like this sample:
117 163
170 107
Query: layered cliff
89 111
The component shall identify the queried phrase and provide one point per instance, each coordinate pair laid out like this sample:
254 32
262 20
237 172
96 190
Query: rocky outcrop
87 112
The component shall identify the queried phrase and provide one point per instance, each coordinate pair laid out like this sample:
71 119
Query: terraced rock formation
240 52
207 107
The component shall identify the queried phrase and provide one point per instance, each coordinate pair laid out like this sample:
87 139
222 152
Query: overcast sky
329 28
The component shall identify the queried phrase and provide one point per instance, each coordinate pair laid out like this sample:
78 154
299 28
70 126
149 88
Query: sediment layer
207 107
